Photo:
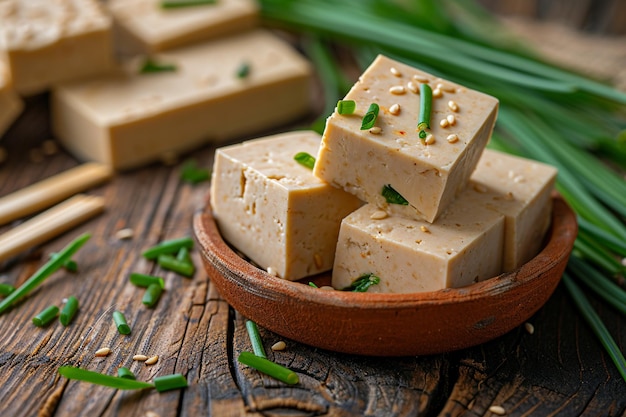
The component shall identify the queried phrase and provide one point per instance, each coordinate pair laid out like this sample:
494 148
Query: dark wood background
560 369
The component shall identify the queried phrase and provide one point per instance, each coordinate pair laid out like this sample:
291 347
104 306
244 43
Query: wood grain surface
560 369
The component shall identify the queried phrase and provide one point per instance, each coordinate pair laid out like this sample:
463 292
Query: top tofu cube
427 174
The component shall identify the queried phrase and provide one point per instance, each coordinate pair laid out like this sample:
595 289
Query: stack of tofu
458 213
105 108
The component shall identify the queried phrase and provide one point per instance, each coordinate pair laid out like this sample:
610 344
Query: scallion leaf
168 247
392 196
305 159
369 120
255 339
426 102
268 367
151 295
363 283
172 264
169 382
346 106
124 372
97 378
46 316
191 173
143 280
120 322
69 310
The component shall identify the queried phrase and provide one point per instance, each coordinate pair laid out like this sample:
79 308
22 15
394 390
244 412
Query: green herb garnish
243 70
143 280
369 120
46 316
191 173
255 339
172 264
168 247
305 159
268 367
426 102
175 4
392 196
151 66
69 310
160 383
151 295
124 372
363 283
346 106
312 284
120 322
169 382
6 289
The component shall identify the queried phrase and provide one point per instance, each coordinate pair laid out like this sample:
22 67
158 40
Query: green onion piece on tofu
346 106
369 120
174 4
69 310
172 264
363 283
305 159
392 196
71 372
243 70
312 284
191 173
151 66
46 316
169 382
6 289
120 322
426 102
168 247
152 295
255 339
143 280
124 372
268 367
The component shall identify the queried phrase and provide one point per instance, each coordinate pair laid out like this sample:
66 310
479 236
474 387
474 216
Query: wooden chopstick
44 194
49 224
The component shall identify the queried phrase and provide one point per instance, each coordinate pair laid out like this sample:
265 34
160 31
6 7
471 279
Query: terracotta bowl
387 324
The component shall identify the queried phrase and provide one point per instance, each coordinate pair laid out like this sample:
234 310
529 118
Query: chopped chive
305 159
243 70
312 284
46 316
168 247
44 272
97 378
172 264
426 102
124 372
169 382
6 289
152 295
191 173
255 339
184 256
369 120
174 4
70 265
150 66
69 310
346 106
143 280
120 322
392 196
363 283
268 367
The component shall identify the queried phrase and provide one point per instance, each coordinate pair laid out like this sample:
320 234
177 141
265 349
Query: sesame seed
437 93
519 179
378 215
280 345
453 106
420 78
102 352
140 358
414 88
443 123
124 234
624 261
272 271
451 119
394 109
511 174
152 360
430 139
446 87
529 328
424 229
376 130
453 138
397 90
496 409
395 72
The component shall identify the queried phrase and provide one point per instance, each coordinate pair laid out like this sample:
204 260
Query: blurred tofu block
45 42
10 103
143 26
133 118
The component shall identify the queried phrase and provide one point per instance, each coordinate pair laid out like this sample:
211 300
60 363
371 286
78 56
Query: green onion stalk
547 113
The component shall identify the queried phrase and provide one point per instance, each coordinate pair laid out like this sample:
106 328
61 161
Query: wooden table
559 369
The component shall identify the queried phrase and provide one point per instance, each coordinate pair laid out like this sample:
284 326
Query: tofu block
427 174
142 26
45 42
130 119
273 209
521 191
462 247
10 103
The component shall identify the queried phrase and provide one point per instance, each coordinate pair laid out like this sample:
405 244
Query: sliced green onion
120 322
44 272
69 310
191 173
6 289
305 159
268 367
124 372
392 196
143 280
71 372
172 264
243 70
168 247
152 295
363 283
312 284
426 102
150 66
184 256
46 316
169 382
174 4
346 106
255 339
369 120
69 265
